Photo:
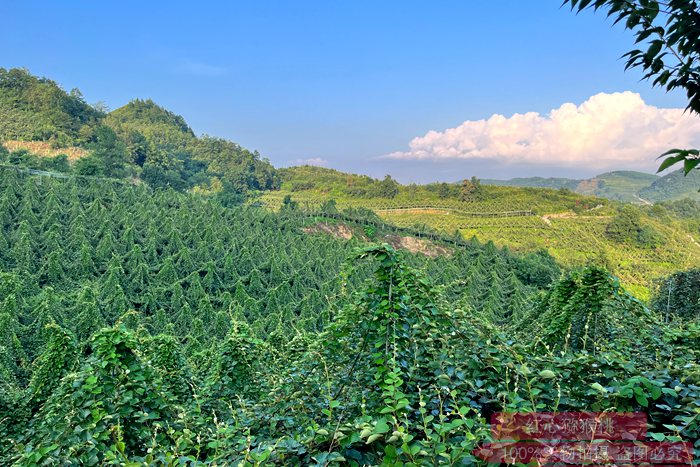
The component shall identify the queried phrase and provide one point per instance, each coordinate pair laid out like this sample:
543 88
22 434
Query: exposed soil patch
412 244
587 186
42 148
569 215
334 230
644 201
417 245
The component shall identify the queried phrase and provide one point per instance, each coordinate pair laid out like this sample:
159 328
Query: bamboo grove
142 327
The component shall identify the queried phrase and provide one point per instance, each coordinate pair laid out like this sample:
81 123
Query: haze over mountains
619 185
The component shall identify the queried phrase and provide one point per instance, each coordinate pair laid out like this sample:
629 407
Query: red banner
569 426
588 453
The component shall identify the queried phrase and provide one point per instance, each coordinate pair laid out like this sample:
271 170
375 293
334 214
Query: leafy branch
672 55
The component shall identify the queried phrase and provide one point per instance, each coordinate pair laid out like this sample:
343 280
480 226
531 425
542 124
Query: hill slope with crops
151 328
168 299
573 228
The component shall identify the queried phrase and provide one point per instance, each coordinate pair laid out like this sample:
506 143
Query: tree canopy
140 139
37 109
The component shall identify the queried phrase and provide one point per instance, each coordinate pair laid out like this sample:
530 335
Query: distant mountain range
620 185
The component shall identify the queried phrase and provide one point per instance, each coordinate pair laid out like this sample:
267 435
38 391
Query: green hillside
168 153
570 226
140 140
620 185
187 284
37 109
150 316
317 184
535 182
673 186
146 127
144 141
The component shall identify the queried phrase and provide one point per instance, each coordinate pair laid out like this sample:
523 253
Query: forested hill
37 109
674 186
139 140
621 185
142 140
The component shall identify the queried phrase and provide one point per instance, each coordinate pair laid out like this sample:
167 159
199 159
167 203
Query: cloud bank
617 130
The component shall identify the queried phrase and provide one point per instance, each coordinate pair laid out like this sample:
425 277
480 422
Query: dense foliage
150 328
627 227
24 158
685 211
139 140
34 108
678 296
673 186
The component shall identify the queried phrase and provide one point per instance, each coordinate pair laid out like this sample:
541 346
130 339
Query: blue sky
339 82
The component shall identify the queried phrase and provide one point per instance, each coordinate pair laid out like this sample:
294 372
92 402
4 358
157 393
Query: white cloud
312 161
607 131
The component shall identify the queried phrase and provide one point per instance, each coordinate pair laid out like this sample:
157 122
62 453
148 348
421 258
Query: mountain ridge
618 185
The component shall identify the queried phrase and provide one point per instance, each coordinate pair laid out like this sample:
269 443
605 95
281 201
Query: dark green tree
56 360
627 226
108 155
678 295
470 190
388 188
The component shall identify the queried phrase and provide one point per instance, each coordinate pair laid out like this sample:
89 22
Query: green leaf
598 387
641 399
655 392
654 49
670 161
381 427
690 164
